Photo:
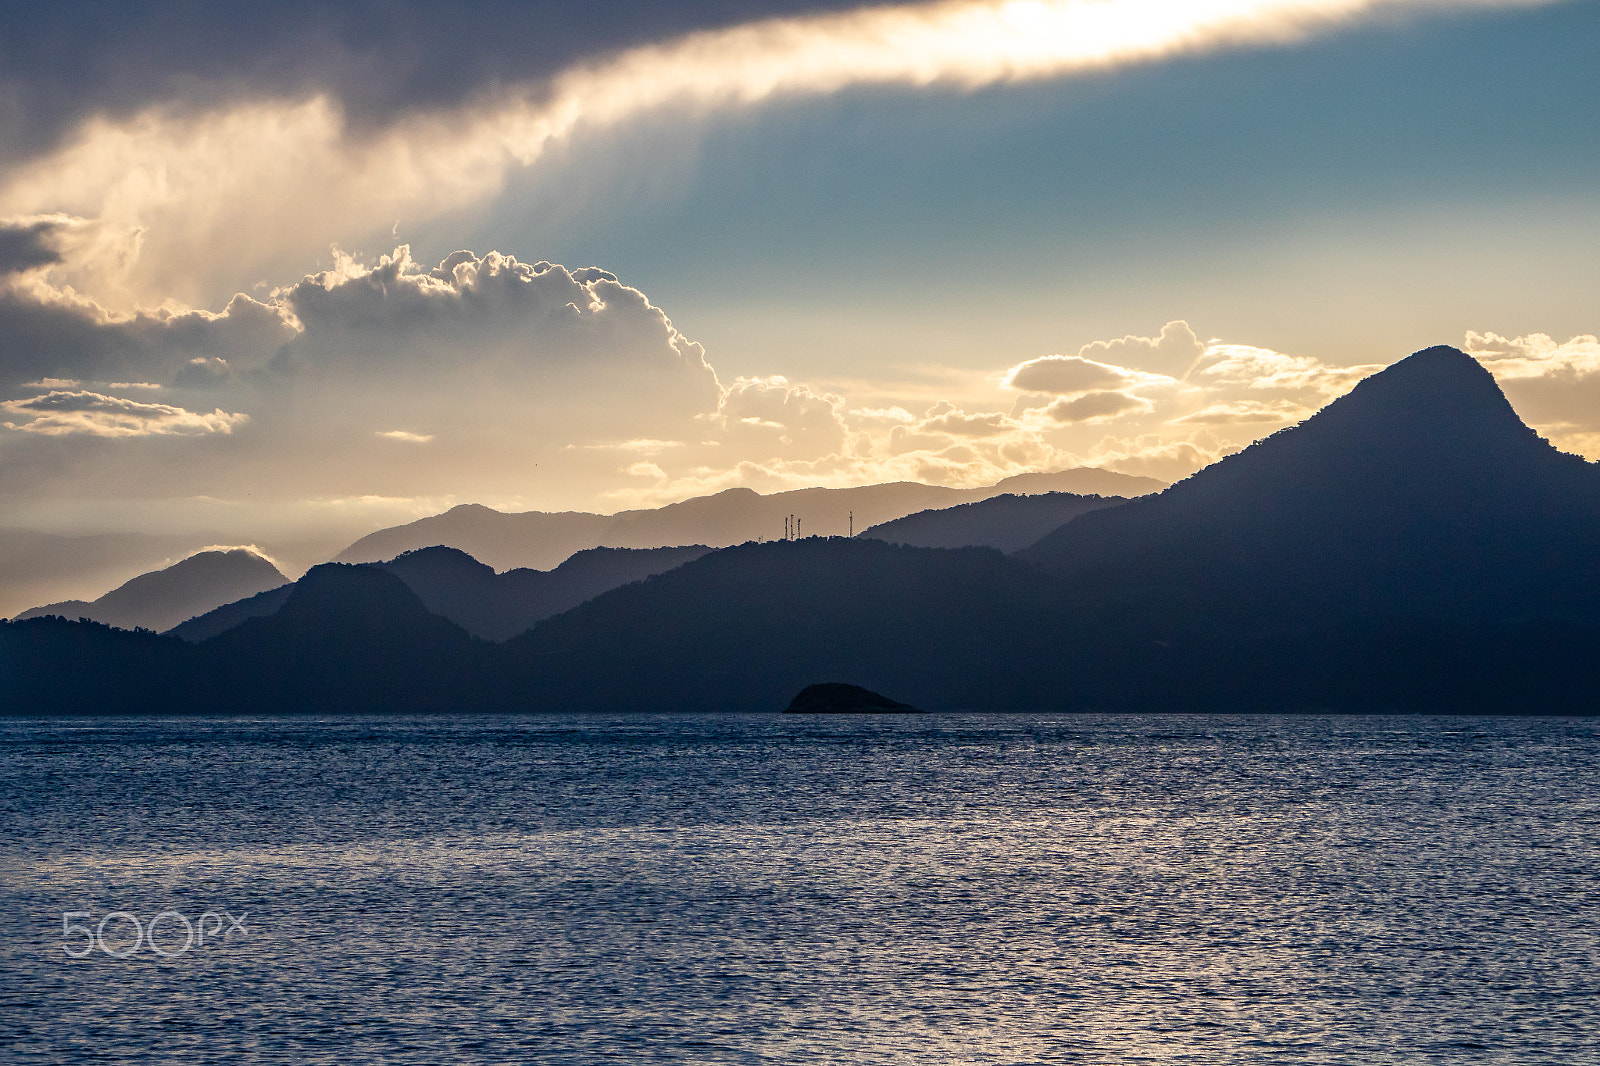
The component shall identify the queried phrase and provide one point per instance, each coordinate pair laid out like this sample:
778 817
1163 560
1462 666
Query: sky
311 269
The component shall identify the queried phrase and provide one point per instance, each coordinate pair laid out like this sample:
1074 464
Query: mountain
454 585
349 639
1009 523
1412 547
36 567
540 540
747 627
493 606
221 619
1420 493
55 666
164 598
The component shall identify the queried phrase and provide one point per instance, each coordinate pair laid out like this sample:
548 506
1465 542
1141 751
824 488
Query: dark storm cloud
62 63
25 246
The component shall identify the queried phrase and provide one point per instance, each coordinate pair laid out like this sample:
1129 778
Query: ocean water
763 889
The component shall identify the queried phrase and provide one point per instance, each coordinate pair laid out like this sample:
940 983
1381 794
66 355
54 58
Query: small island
833 697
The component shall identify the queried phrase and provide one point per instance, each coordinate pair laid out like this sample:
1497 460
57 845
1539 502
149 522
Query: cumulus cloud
1097 407
1173 352
863 417
1536 355
947 418
1064 375
60 413
578 328
781 418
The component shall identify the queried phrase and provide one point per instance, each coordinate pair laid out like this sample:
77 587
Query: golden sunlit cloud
276 178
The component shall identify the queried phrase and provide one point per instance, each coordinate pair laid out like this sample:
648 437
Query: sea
690 888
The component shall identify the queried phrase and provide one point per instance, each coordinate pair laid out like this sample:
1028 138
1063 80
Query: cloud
255 179
519 322
1262 369
402 435
60 413
379 61
863 417
1554 385
639 445
946 418
47 333
1065 374
1097 407
1172 353
27 245
779 418
1536 355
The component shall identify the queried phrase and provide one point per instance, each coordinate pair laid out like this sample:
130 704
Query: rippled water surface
945 889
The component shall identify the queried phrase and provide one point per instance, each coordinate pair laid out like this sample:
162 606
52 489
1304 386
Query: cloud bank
265 177
61 412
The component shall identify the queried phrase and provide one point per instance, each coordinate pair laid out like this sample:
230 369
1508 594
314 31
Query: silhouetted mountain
224 618
454 585
1420 493
162 599
348 639
1009 523
493 606
540 540
1412 547
39 567
746 627
55 666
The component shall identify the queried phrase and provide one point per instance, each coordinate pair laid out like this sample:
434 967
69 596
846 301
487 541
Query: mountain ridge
1412 547
541 540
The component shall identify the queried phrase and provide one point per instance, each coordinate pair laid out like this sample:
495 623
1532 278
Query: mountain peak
1420 490
1434 377
1437 408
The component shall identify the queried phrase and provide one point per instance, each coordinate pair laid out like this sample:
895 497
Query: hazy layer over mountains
1412 547
533 540
541 540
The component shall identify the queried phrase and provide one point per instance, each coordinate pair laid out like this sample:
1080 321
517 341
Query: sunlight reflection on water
693 889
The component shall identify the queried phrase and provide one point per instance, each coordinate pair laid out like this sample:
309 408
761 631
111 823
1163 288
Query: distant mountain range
1412 547
453 585
529 541
162 599
541 540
